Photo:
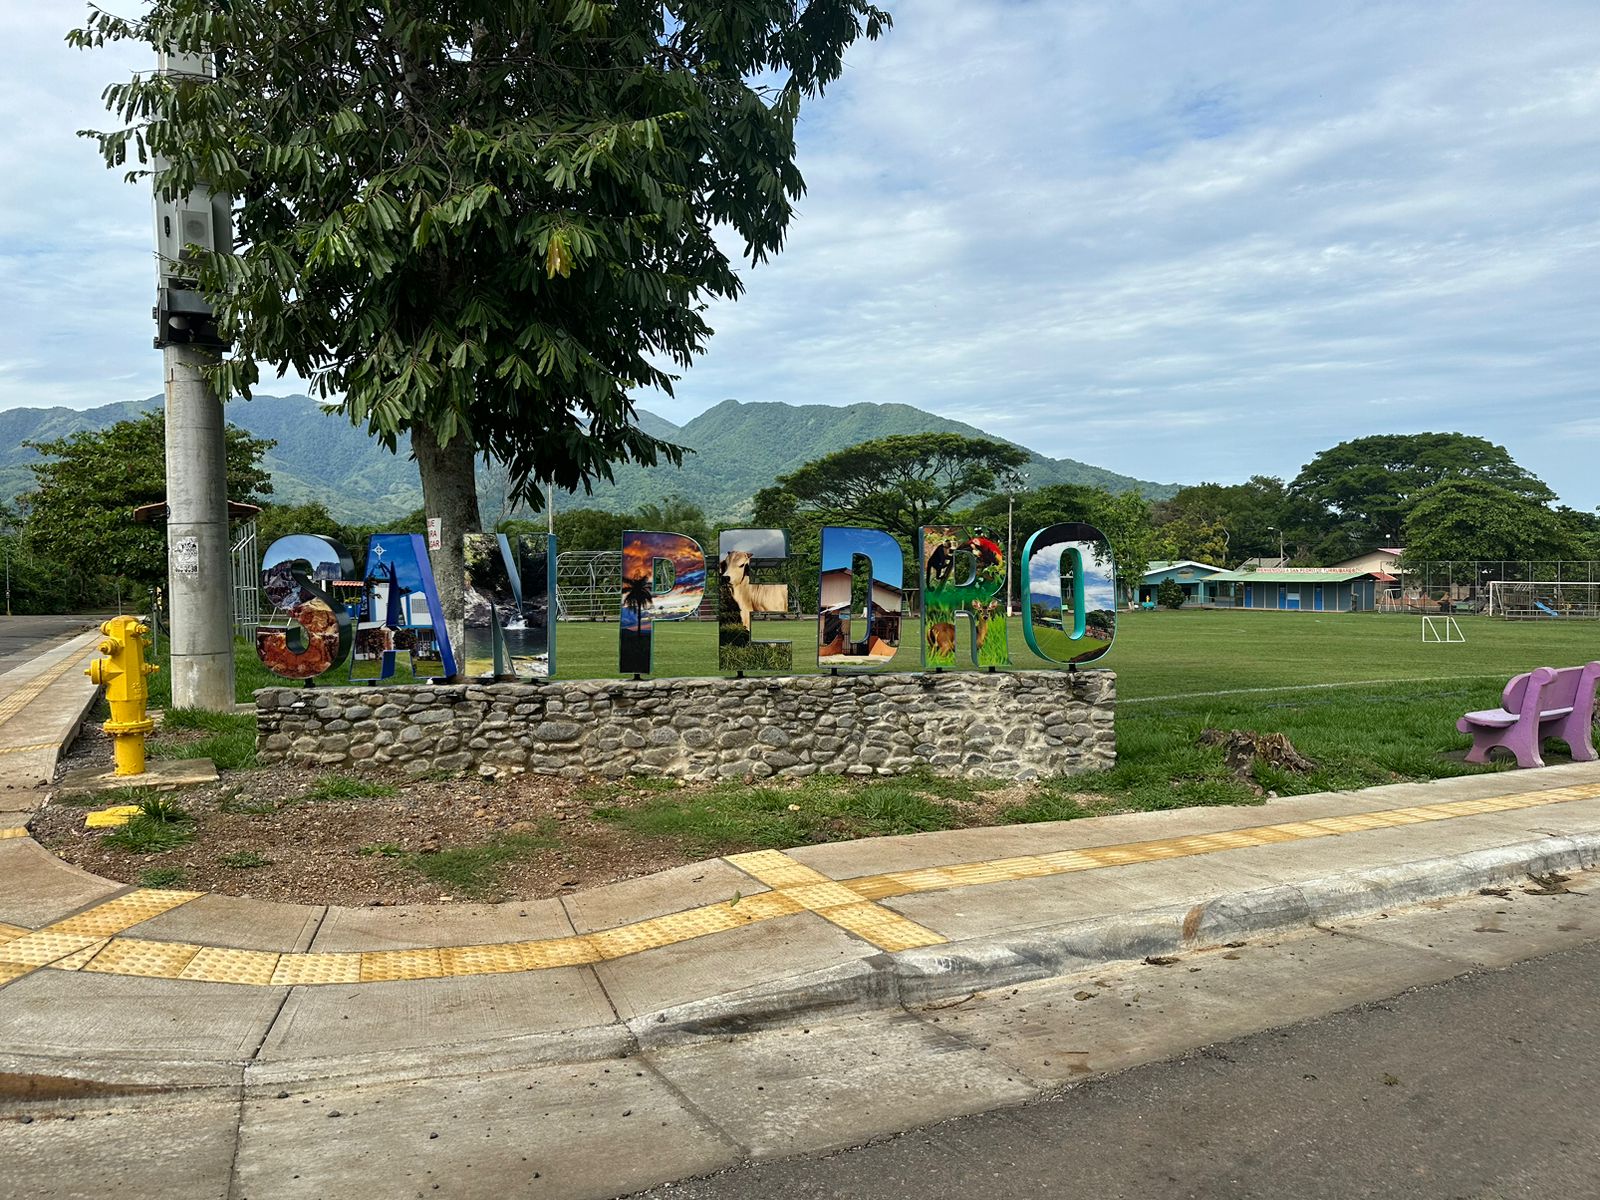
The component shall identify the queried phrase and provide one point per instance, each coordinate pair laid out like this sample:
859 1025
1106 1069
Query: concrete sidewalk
43 701
618 998
122 985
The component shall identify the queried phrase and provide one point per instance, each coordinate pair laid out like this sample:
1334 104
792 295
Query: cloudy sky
1183 240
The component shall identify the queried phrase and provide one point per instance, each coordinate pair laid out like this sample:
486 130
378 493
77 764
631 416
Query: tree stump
1242 749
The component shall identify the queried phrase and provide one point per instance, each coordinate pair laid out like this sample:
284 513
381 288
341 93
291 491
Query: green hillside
740 448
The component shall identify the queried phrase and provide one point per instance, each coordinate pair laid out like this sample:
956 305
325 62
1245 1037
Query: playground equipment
125 676
1544 601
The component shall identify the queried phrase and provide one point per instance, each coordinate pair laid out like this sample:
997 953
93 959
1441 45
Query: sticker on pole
186 556
435 533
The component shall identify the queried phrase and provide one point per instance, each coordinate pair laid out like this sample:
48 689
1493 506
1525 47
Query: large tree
897 484
1248 518
80 513
1466 519
1373 482
1123 517
481 225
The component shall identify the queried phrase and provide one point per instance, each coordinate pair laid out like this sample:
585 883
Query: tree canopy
1375 481
896 484
1463 519
482 224
80 512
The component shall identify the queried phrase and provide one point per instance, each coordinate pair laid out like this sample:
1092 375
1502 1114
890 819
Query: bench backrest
1567 688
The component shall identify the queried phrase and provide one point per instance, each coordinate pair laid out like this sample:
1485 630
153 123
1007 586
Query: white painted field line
1315 687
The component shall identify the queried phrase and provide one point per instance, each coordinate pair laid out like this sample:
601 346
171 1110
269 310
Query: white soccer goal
1518 600
1441 629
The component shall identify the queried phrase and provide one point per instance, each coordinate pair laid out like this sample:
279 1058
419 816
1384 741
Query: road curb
873 983
935 973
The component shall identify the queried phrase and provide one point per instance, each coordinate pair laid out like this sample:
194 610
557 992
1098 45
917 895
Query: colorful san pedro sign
332 619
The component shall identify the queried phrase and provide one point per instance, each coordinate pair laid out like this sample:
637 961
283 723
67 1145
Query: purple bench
1544 703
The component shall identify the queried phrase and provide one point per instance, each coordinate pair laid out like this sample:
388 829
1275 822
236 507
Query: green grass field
1361 695
1390 718
1172 653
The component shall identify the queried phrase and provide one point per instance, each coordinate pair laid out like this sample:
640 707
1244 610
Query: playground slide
1545 609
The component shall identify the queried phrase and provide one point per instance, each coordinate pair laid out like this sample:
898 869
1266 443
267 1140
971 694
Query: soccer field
1180 653
1388 716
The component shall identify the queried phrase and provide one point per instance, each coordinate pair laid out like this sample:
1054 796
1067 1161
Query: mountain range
740 448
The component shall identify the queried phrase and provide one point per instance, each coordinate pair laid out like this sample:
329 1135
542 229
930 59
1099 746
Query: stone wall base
1012 725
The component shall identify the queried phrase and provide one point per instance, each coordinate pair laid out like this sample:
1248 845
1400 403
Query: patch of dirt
370 851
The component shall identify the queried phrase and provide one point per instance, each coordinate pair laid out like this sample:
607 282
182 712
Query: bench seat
1544 703
1499 718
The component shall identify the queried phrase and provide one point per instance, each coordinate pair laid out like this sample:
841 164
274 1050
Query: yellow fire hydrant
124 674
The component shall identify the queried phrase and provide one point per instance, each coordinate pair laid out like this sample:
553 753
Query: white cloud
1178 240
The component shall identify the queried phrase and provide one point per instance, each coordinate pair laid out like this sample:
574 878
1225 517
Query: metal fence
246 583
1464 583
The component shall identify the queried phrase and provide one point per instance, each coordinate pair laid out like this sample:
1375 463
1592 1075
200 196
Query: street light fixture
1279 532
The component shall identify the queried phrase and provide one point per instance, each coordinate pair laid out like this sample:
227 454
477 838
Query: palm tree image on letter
642 604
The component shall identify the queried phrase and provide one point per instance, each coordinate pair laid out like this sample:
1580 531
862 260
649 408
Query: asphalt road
1486 1087
21 638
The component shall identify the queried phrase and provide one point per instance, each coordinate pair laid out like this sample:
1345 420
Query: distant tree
897 484
1247 517
281 520
482 225
1183 539
1037 507
37 584
1464 519
1125 520
1170 594
1581 532
1123 517
1376 481
579 529
676 515
80 512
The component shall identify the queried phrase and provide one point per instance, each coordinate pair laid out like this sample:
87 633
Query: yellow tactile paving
111 818
217 964
29 747
665 931
883 928
776 869
28 692
561 952
124 912
90 941
382 966
136 956
13 831
296 969
497 959
78 959
45 946
836 902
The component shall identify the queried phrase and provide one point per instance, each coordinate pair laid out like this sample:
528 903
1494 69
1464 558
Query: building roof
1290 575
1156 568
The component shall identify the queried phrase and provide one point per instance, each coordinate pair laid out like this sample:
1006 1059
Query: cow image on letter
742 553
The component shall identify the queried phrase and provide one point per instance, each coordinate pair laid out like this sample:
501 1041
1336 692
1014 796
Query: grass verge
473 870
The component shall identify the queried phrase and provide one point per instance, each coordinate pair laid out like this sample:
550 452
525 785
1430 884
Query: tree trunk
449 492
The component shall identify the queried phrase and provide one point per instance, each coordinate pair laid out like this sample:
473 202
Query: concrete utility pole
199 572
